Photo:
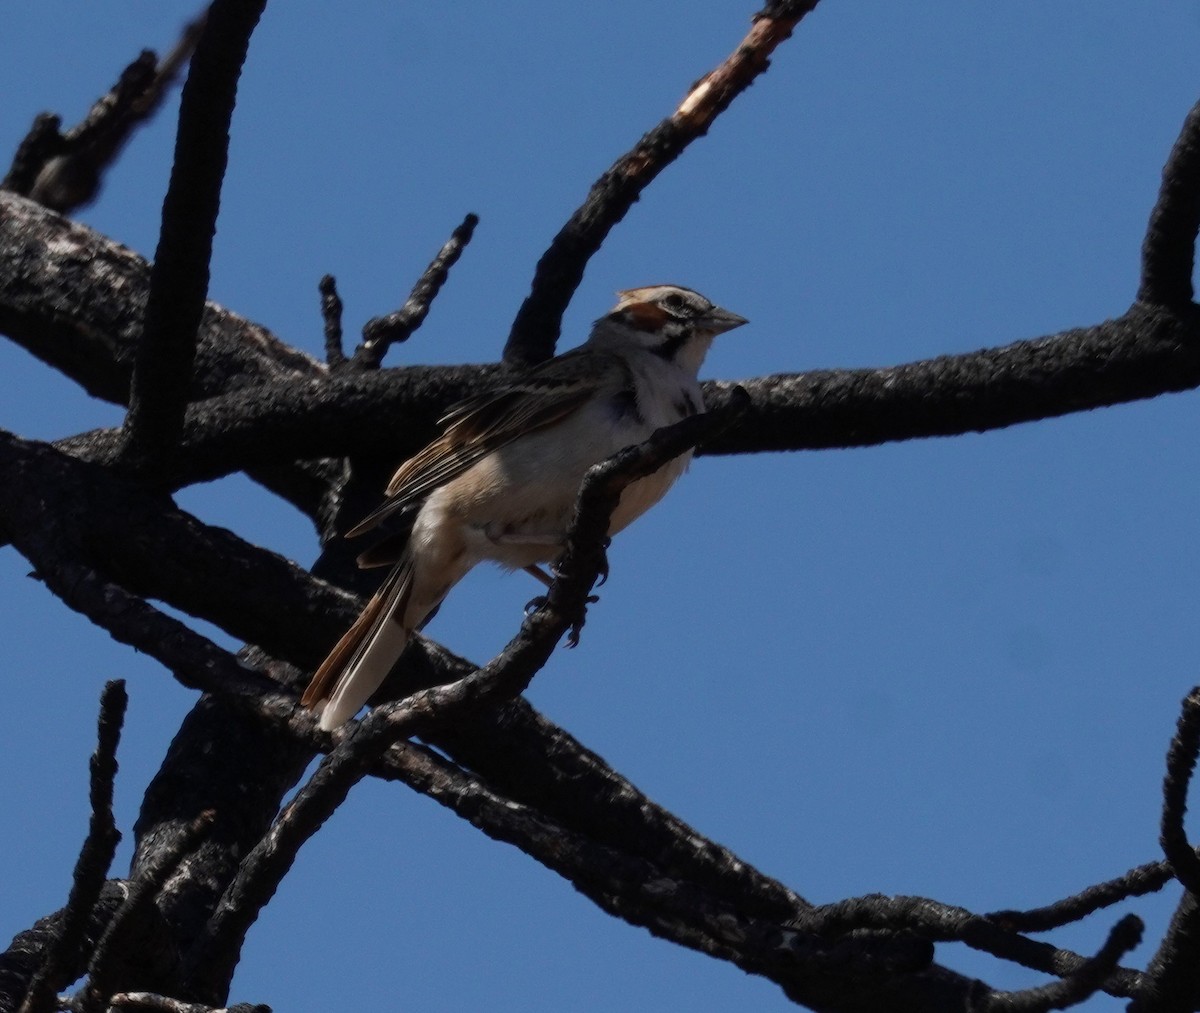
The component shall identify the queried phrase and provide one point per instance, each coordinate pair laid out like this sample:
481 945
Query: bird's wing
483 424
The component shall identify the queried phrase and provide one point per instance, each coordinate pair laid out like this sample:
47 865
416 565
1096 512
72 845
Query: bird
500 481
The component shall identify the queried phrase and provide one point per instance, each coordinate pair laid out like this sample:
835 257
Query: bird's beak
718 320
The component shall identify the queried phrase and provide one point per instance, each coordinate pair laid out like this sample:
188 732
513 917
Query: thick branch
646 895
393 413
73 521
179 278
1169 249
123 939
27 952
76 300
503 678
73 309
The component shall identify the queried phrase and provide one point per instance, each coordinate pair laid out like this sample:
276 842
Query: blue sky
949 667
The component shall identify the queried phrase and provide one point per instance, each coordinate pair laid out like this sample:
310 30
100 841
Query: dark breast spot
685 405
625 406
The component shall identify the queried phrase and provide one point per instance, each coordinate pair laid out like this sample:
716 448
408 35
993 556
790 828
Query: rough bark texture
213 394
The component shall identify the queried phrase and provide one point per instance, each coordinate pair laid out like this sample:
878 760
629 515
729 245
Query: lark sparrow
500 482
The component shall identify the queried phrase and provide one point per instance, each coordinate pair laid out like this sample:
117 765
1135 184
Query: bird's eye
674 301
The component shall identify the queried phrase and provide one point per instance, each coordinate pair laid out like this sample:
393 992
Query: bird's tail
361 660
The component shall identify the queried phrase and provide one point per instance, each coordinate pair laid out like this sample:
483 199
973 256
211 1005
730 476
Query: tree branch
1078 986
945 922
1135 883
76 300
73 520
1169 249
536 328
27 952
392 413
135 919
506 676
380 333
163 368
331 314
1172 982
95 858
1181 763
65 171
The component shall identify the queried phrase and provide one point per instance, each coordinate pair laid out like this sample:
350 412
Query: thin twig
95 857
380 333
1136 882
70 179
37 147
945 922
1181 762
331 314
1079 985
162 374
192 659
64 171
536 328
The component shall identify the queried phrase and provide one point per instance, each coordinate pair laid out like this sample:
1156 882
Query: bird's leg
536 571
548 579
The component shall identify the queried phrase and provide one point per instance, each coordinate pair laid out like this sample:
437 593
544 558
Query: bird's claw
602 569
534 604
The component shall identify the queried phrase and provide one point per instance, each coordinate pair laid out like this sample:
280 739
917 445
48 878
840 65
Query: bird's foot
534 604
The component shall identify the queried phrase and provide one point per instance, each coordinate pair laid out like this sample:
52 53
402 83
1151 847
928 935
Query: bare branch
37 147
164 1004
1181 763
946 922
1173 977
135 917
1171 983
27 952
507 675
72 521
1076 987
70 178
76 300
531 760
535 330
58 309
1169 249
1135 883
162 374
95 858
1142 354
382 332
646 895
65 171
331 313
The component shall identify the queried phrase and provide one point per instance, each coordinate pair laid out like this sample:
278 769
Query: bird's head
669 320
